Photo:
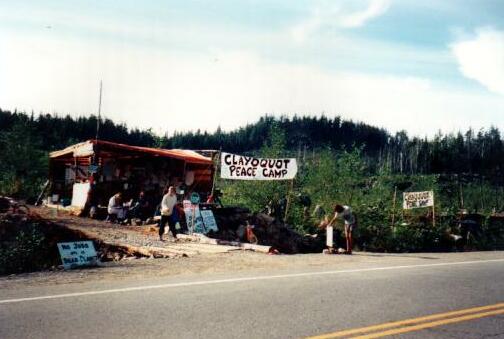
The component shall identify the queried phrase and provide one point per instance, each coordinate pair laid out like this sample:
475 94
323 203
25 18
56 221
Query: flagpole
99 112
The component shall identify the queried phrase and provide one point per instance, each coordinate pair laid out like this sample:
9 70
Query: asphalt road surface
458 296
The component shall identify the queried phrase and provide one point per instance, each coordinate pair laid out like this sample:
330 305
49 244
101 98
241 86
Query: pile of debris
239 224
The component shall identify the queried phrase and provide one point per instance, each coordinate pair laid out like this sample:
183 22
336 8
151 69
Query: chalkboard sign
77 253
209 221
193 219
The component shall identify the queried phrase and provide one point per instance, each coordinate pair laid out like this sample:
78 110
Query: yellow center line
430 325
406 322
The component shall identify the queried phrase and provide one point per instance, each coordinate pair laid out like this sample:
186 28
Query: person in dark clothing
140 207
345 213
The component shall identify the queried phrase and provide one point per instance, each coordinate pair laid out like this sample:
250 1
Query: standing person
350 222
167 216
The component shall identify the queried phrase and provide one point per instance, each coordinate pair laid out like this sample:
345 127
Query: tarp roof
86 149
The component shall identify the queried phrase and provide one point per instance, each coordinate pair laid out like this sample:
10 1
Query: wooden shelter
90 172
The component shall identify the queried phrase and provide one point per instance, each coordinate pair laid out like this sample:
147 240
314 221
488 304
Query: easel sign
412 200
209 220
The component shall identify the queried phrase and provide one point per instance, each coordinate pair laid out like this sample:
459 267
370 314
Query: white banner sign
77 253
240 167
418 199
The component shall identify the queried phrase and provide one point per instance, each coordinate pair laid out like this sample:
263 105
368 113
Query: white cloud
481 58
170 91
374 9
340 14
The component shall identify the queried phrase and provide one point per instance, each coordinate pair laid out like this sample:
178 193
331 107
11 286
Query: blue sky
421 66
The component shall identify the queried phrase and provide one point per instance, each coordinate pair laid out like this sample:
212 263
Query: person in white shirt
344 213
115 208
167 216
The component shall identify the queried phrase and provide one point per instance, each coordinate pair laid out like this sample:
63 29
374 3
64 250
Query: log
245 246
147 251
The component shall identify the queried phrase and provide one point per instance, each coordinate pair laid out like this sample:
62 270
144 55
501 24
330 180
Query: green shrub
23 253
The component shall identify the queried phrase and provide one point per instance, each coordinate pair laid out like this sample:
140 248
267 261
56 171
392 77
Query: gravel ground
136 238
107 232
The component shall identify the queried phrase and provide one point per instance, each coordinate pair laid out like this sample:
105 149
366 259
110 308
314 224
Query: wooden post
402 209
183 183
289 199
433 210
215 167
461 195
193 219
75 169
481 195
393 207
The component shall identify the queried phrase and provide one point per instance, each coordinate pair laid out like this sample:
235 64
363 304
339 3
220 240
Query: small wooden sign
77 253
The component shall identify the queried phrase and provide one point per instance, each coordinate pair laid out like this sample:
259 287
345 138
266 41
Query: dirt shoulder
236 262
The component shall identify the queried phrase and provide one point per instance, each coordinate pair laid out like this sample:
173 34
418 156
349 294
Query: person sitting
139 209
115 208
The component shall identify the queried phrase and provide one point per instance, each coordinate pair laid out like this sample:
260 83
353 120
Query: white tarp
84 150
240 167
418 199
80 194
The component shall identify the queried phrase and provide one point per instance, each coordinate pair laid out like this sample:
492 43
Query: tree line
27 138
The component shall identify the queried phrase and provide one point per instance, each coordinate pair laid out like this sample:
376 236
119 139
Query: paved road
286 304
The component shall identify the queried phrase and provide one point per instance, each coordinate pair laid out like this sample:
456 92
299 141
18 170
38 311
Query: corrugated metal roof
186 155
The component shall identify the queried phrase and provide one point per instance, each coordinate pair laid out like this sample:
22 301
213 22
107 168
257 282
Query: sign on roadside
209 221
418 199
77 253
193 217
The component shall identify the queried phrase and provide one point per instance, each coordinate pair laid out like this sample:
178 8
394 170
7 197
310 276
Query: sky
419 66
